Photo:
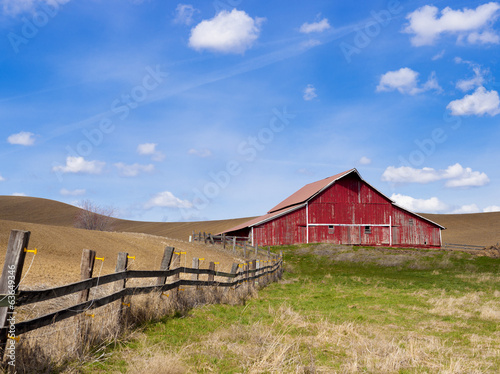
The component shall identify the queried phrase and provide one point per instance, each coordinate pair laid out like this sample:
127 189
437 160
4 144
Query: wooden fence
170 269
240 243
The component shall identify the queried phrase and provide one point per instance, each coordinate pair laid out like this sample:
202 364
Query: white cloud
405 80
438 56
309 92
15 7
22 138
149 149
80 165
319 26
203 153
365 160
19 194
184 14
227 32
1 178
479 103
486 37
168 200
455 176
492 208
77 192
431 205
134 169
471 208
427 24
476 81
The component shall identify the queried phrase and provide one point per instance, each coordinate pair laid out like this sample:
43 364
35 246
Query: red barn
342 209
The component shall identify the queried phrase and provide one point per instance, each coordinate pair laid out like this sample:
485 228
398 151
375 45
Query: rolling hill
50 212
474 229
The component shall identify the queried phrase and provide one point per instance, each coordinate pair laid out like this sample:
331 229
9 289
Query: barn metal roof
310 190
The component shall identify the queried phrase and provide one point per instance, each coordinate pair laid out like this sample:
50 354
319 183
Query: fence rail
242 243
170 270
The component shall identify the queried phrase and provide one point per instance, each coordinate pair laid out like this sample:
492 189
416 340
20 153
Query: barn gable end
342 209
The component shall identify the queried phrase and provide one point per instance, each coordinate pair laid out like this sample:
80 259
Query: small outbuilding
341 209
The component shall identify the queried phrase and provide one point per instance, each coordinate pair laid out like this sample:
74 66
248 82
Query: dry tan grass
355 348
84 338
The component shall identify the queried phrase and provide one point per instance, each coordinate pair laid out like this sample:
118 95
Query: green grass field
337 310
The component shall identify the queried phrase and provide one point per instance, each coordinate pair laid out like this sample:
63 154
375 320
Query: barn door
354 233
395 235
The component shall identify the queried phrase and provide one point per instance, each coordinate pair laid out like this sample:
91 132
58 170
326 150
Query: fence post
86 270
234 244
165 264
245 272
244 249
12 270
234 270
121 265
204 237
196 265
176 263
252 267
211 239
256 249
211 266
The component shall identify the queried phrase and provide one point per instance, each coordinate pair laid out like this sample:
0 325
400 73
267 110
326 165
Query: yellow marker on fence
90 315
16 338
131 257
164 294
126 304
30 250
182 253
201 259
100 258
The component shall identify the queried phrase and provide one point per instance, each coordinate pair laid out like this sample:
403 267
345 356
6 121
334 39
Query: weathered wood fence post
252 267
121 265
9 283
176 263
211 266
234 244
165 264
86 270
196 265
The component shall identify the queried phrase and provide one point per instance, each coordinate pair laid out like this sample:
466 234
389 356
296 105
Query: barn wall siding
287 229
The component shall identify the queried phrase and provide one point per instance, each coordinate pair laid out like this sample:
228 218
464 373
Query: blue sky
172 111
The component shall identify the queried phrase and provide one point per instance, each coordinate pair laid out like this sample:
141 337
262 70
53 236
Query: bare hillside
476 229
60 250
473 229
50 212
